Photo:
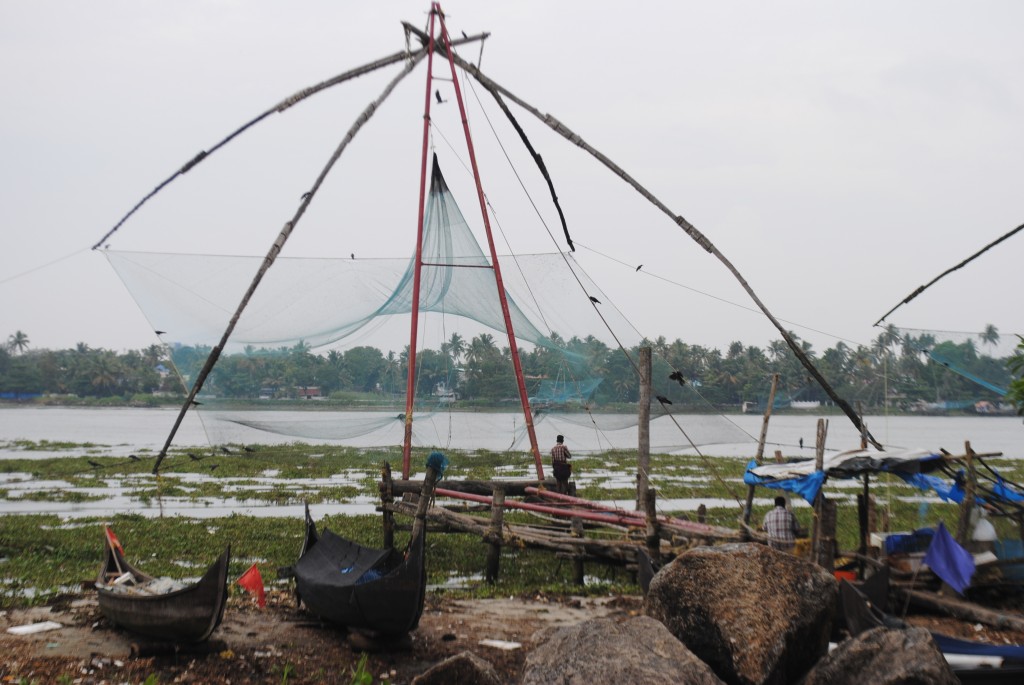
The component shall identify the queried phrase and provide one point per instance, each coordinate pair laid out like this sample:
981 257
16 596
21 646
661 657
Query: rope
43 266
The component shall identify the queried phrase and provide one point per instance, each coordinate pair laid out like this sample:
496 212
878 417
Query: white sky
839 154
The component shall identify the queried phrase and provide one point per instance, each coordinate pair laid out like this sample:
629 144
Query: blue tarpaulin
805 486
949 561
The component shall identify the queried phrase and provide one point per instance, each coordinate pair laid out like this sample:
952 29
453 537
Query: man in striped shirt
560 465
781 526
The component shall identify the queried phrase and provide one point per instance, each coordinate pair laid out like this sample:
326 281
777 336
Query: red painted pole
542 509
512 346
410 386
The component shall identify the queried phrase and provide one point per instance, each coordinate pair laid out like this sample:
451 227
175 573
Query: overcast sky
839 154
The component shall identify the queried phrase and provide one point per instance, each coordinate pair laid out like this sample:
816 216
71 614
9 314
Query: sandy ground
280 644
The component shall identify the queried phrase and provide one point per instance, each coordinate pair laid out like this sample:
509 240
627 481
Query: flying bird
663 399
677 377
133 457
213 466
196 404
464 35
94 464
594 300
437 94
248 449
353 255
194 457
159 332
305 196
225 450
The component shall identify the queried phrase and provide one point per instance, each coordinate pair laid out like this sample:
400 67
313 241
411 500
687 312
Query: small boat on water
377 590
161 608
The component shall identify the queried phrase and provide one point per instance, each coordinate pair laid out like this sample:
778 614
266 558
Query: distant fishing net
343 308
975 362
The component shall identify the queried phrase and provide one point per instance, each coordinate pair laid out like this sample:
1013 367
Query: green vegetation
45 555
479 371
1016 365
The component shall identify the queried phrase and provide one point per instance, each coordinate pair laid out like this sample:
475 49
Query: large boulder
884 656
465 668
755 615
640 650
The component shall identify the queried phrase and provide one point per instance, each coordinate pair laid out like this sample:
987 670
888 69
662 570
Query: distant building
309 392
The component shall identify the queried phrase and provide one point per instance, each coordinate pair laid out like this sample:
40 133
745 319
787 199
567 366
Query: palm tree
18 342
456 346
990 336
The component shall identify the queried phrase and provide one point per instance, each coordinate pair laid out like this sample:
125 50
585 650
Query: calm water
121 431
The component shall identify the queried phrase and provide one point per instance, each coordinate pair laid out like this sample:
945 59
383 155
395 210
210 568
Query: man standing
781 526
560 465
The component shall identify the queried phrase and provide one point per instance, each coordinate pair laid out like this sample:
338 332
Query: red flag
252 581
113 541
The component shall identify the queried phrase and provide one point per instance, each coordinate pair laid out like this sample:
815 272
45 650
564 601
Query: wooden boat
862 609
377 590
142 604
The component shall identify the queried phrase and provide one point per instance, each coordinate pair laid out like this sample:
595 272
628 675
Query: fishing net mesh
334 308
970 363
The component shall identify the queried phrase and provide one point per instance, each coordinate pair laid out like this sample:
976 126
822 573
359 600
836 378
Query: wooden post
826 552
653 536
577 560
863 515
817 537
643 454
387 496
419 523
748 508
967 506
497 526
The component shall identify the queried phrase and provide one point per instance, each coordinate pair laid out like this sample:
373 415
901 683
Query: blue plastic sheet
805 486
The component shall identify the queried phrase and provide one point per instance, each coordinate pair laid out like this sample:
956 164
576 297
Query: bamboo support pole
691 230
820 534
643 454
749 506
275 249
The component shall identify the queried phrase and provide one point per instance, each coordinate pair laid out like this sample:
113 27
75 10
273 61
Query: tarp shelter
803 478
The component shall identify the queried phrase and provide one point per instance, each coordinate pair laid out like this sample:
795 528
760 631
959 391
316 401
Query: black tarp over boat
134 600
376 590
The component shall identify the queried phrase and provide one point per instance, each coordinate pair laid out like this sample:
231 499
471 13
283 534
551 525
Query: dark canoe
186 615
861 613
376 590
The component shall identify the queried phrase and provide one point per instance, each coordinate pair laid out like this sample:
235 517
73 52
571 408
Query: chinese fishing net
321 352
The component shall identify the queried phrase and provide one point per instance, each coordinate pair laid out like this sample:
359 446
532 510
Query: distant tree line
479 370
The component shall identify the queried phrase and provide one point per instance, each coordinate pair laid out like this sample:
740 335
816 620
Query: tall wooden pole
748 507
963 527
643 454
820 540
410 384
512 344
